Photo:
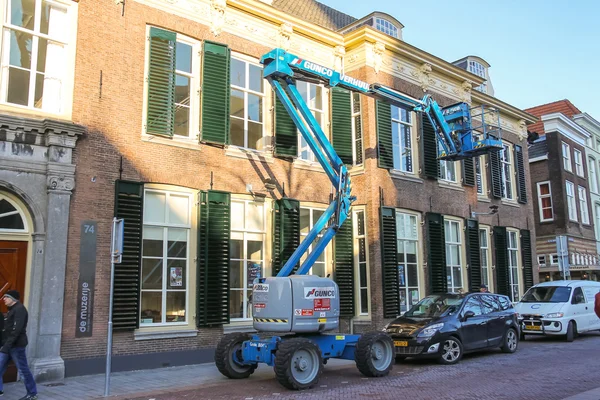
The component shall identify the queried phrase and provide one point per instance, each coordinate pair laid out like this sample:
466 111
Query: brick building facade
186 143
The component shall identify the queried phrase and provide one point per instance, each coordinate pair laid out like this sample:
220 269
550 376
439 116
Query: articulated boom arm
452 126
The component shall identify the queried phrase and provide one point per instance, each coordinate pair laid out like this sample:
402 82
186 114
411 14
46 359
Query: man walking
15 342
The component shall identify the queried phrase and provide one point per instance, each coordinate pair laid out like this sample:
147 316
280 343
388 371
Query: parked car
449 325
559 308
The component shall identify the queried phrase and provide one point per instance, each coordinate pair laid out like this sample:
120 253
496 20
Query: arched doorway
15 242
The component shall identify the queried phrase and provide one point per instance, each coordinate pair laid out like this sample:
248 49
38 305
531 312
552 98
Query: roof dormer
480 67
381 21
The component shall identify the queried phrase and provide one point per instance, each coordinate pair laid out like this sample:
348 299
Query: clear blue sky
539 50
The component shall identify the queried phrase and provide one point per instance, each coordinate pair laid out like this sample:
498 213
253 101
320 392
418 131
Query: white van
559 308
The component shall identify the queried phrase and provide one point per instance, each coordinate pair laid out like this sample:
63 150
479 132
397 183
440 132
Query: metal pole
110 310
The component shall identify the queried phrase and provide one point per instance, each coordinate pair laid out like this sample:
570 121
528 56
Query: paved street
542 369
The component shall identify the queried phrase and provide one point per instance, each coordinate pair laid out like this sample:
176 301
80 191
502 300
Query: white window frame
514 248
398 148
593 174
571 204
478 69
327 252
387 27
246 90
566 154
445 167
583 205
480 176
18 210
407 239
597 220
553 259
65 104
460 244
358 264
324 123
357 122
542 260
165 226
541 197
485 253
245 233
508 171
578 158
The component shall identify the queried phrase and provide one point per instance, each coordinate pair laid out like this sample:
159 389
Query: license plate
400 343
533 327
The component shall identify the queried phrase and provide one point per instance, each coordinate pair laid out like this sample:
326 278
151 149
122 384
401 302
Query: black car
447 326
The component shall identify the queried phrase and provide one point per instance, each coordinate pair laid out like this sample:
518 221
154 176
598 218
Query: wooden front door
13 259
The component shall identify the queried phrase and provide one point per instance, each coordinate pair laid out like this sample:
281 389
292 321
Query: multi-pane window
448 171
308 218
542 260
402 139
247 254
453 255
408 245
35 44
165 257
597 208
362 267
545 201
357 143
479 175
571 205
566 154
553 259
185 82
578 162
385 26
246 127
479 70
507 172
513 264
583 205
593 175
484 249
314 96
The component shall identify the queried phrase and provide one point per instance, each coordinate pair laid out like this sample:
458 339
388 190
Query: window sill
451 186
510 203
143 334
483 199
404 176
249 154
308 165
362 320
239 327
176 141
357 170
33 113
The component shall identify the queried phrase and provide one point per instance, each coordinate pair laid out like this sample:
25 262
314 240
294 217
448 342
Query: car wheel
228 357
452 351
511 341
374 354
298 363
571 328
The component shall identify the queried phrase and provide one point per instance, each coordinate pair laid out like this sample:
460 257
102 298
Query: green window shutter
385 151
286 232
344 268
286 133
431 165
215 93
496 174
212 297
520 167
527 259
160 116
501 247
473 254
389 264
436 253
358 136
129 205
468 170
341 123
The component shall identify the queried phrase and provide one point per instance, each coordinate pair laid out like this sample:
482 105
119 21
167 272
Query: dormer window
386 27
479 70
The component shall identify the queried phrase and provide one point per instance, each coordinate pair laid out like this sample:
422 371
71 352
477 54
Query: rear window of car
505 303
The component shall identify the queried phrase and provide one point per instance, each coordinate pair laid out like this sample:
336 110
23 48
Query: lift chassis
303 308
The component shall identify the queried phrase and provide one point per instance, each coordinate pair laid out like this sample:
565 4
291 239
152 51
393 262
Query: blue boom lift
303 307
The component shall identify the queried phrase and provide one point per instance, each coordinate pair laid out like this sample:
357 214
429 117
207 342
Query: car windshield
547 294
435 306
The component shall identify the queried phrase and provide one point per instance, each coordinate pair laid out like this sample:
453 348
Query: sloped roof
564 107
315 12
538 148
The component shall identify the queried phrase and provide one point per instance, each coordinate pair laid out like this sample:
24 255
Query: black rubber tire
225 353
284 362
400 358
363 354
506 347
571 331
443 360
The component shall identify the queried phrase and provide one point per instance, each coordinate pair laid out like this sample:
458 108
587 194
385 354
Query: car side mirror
468 314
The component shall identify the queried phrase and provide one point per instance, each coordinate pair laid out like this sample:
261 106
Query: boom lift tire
374 354
228 357
298 363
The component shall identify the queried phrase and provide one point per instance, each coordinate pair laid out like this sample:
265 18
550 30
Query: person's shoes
29 397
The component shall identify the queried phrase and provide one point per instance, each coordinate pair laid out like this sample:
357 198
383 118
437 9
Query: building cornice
587 119
558 122
505 107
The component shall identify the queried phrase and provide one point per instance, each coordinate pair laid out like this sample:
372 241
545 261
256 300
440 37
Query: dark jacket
15 327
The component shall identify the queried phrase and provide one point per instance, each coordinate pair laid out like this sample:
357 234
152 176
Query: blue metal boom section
452 126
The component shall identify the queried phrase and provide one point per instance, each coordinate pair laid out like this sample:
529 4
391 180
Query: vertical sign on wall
87 279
